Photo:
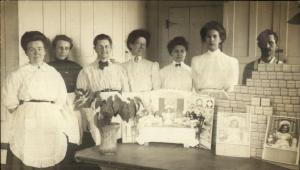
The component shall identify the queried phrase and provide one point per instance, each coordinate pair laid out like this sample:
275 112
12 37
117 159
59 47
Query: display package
282 140
233 134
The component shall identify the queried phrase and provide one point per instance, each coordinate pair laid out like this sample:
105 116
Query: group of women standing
36 93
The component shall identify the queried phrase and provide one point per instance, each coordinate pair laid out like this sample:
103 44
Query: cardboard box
278 100
288 76
297 109
255 75
259 110
279 76
268 111
282 83
249 82
251 90
231 96
287 68
265 102
279 107
238 96
265 83
257 83
272 75
278 67
295 100
297 84
288 108
251 109
267 91
275 91
273 83
291 84
259 90
237 88
296 76
292 92
261 67
244 89
286 99
295 68
284 92
270 67
246 98
255 101
263 75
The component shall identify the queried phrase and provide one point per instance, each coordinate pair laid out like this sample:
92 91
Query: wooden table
136 157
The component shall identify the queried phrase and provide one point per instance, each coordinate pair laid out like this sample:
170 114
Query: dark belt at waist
37 101
110 90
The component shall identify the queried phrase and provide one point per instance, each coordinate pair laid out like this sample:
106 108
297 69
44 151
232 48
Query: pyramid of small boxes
280 83
273 89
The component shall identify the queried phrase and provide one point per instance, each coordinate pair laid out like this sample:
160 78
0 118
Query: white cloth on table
176 77
37 128
143 75
215 70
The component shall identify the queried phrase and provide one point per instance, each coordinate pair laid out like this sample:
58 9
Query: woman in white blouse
34 94
214 69
177 75
143 75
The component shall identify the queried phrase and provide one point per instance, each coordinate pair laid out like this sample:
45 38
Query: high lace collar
217 51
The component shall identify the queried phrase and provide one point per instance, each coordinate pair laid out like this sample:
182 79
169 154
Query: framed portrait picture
282 140
233 133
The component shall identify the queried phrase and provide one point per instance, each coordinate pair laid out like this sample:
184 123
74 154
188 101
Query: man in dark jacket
267 42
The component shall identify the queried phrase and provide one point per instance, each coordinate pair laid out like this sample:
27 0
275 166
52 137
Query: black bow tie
102 64
177 65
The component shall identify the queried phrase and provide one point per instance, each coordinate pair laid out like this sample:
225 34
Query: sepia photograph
282 140
149 84
233 133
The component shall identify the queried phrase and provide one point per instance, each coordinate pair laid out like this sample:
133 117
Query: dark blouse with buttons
69 71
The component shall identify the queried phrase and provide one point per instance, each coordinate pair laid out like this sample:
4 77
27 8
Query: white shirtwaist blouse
143 75
215 70
176 77
111 77
37 137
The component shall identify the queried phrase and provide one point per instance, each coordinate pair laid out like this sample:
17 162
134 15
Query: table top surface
134 156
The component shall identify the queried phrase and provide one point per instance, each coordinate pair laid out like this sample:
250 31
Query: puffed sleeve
155 76
124 80
234 77
61 91
10 90
82 80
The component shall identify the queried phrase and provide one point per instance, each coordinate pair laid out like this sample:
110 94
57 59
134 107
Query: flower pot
109 135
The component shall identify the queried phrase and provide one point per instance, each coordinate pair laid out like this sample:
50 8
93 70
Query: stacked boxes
259 110
280 83
273 89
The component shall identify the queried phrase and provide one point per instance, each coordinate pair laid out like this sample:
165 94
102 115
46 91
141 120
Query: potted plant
107 105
